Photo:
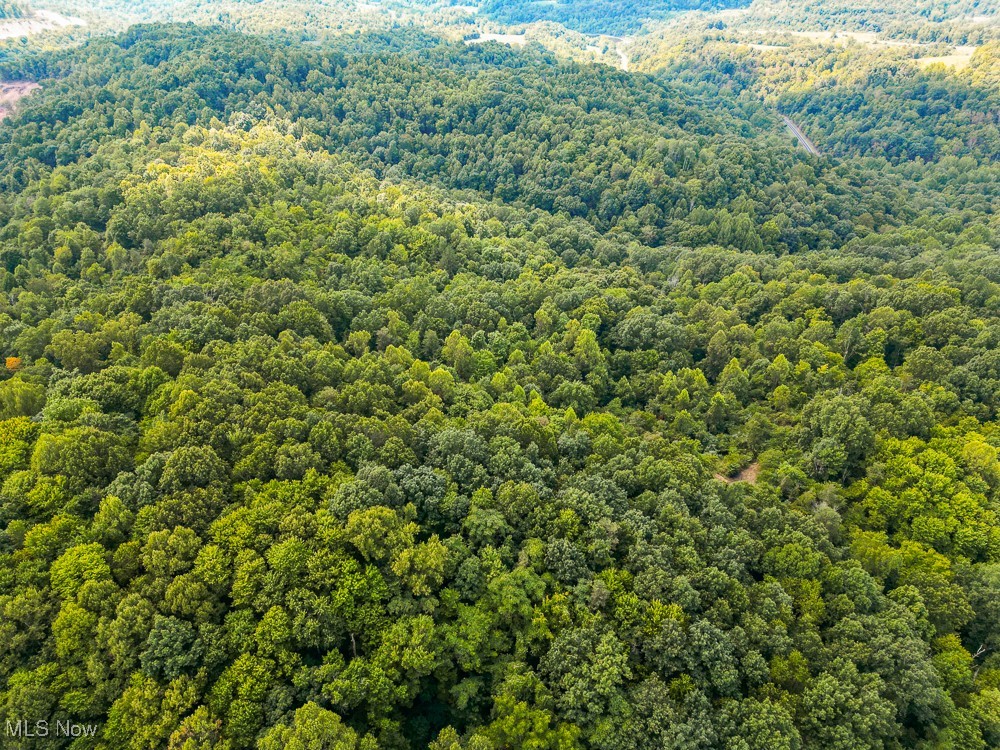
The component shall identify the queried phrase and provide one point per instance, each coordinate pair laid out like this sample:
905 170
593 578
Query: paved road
803 140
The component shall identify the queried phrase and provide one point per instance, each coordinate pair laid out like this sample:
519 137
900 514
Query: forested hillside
921 20
393 394
597 16
855 101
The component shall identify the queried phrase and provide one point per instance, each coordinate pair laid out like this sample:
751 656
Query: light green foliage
313 729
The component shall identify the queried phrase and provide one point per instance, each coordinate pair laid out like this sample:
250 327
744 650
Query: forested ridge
472 398
597 16
958 21
656 159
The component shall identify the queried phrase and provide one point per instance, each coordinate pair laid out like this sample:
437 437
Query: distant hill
597 16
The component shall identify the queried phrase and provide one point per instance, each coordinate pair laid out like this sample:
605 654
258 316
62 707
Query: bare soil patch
959 58
748 475
13 91
38 21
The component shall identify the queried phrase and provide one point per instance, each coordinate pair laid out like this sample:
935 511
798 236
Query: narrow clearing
959 56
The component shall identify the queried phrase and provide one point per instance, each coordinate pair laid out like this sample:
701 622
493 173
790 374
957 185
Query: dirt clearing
958 59
38 21
11 92
748 475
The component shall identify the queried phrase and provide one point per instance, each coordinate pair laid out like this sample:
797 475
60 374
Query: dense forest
854 101
942 115
391 393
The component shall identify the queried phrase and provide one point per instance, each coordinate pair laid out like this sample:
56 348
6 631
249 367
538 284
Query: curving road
622 54
622 44
802 139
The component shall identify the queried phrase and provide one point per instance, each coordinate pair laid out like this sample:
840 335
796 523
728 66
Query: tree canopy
472 398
